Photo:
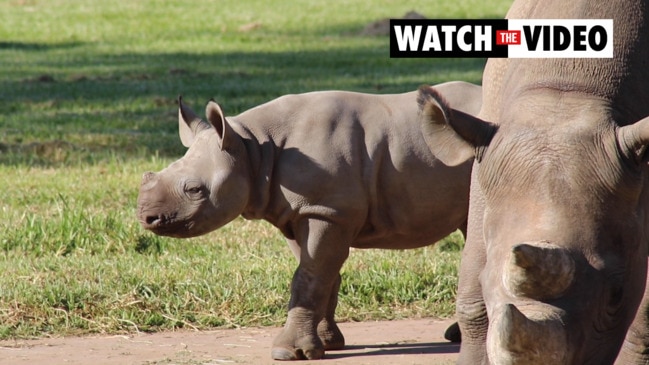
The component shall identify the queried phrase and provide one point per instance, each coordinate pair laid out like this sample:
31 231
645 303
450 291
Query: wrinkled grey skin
555 260
331 170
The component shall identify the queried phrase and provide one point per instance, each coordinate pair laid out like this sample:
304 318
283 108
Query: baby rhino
332 170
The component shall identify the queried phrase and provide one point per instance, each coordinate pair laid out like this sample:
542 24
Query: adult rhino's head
564 223
205 189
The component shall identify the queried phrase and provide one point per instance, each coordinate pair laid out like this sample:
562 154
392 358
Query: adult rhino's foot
330 335
287 346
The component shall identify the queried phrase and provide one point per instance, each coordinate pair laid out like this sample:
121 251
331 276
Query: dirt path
377 343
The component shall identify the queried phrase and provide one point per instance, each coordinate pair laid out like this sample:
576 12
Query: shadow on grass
131 97
239 77
32 46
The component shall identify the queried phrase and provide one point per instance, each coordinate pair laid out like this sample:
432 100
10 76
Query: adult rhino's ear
453 137
215 116
634 139
189 124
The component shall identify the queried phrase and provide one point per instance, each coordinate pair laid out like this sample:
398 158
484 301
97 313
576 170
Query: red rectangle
507 37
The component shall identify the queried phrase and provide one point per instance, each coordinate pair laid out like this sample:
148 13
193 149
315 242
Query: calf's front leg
328 331
324 247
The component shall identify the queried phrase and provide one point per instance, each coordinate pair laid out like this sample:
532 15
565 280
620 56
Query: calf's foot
453 333
289 346
330 335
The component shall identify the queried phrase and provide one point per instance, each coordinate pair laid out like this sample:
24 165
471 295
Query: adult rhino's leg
328 331
635 349
471 311
453 332
470 306
324 249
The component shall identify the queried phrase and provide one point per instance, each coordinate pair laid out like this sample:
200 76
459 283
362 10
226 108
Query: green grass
87 104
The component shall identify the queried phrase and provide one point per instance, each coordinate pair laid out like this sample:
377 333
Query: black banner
435 38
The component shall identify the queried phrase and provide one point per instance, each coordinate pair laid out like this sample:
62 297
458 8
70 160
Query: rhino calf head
205 189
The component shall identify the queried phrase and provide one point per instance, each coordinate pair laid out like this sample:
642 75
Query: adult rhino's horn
539 270
189 124
518 339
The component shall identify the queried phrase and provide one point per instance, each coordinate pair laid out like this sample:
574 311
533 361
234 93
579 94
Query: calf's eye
194 191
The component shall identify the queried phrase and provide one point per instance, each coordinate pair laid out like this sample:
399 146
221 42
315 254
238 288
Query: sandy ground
411 342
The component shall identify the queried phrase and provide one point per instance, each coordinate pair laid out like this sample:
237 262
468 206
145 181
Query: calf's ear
189 124
452 136
215 116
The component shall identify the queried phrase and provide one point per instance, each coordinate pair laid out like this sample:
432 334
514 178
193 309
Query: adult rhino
331 170
555 260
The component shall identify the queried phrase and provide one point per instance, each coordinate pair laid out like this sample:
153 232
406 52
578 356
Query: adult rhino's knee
472 319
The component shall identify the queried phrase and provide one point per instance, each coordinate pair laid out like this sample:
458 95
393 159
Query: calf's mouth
161 223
